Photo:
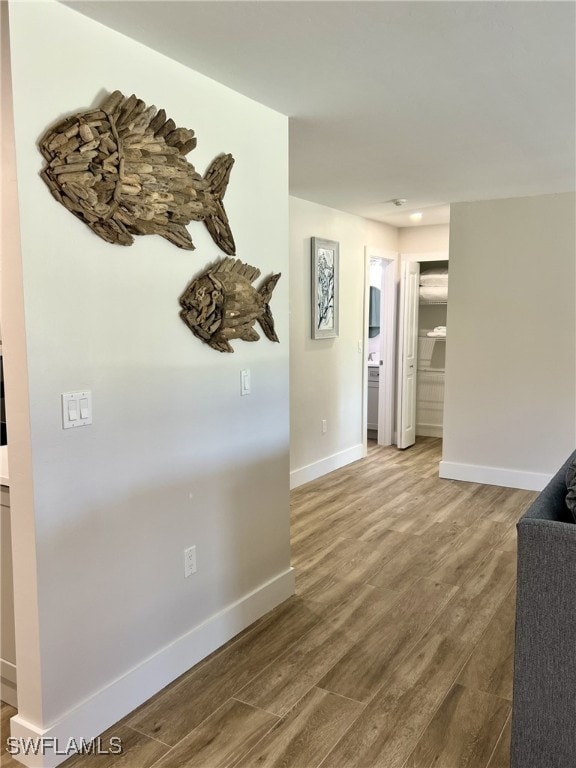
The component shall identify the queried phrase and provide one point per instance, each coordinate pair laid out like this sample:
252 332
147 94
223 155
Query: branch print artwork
325 289
325 255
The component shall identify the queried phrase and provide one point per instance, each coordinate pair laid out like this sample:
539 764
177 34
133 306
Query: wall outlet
324 426
189 561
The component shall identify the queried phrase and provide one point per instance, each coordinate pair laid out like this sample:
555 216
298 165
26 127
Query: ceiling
435 102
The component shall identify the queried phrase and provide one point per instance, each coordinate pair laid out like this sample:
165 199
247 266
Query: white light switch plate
245 385
76 409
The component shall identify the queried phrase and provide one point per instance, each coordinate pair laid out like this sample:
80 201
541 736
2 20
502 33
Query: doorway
379 365
421 346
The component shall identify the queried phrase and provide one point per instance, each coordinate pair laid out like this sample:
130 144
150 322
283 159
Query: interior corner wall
510 408
174 457
326 375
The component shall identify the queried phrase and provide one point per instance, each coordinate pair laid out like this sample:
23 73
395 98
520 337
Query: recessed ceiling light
416 216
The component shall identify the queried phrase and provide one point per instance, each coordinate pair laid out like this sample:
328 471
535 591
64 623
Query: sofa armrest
551 502
544 707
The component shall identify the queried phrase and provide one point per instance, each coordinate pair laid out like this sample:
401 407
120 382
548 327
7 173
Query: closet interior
433 303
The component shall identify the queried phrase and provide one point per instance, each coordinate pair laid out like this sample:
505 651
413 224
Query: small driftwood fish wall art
122 169
222 304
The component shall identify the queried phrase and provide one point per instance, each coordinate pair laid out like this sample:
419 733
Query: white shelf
431 370
433 301
434 338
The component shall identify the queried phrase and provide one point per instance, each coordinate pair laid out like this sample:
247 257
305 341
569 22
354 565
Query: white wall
510 411
175 456
432 238
326 375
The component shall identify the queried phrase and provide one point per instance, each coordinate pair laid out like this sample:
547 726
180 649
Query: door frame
387 378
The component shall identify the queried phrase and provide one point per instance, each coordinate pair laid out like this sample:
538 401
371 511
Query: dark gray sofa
544 705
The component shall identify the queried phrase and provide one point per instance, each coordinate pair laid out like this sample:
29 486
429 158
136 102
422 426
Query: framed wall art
325 263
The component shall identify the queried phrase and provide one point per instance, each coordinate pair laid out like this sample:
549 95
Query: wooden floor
395 652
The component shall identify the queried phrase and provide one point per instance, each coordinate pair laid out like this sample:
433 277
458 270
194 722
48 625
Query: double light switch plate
76 409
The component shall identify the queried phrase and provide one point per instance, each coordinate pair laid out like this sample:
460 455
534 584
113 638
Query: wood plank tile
416 558
138 751
323 586
459 512
512 504
463 732
360 672
222 739
387 731
359 560
317 547
467 551
349 518
304 737
509 542
501 755
383 518
172 714
313 511
292 675
491 665
477 503
352 494
418 515
389 728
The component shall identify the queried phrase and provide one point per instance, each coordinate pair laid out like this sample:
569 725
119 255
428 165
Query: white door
387 353
407 354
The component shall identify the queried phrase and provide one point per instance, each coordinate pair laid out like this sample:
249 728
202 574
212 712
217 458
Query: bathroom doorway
379 345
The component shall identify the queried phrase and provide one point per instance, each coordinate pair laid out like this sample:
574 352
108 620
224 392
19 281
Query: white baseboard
122 696
428 430
324 466
8 683
508 478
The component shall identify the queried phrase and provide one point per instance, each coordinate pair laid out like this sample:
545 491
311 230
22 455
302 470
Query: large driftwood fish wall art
222 304
121 168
